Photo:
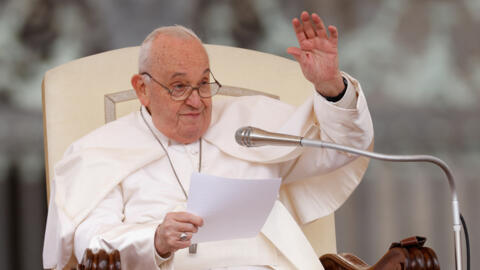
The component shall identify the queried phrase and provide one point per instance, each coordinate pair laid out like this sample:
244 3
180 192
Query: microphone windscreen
242 136
255 137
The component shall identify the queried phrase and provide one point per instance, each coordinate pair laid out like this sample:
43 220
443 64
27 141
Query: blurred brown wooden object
100 260
408 254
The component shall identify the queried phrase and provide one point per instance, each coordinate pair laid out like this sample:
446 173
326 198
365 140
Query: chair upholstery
82 95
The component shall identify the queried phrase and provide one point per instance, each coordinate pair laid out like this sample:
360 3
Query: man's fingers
321 31
176 243
298 28
187 237
179 242
307 25
333 34
185 227
294 51
186 217
173 239
182 244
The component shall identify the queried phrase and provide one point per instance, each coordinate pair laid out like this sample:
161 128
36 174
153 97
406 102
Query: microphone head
242 136
254 137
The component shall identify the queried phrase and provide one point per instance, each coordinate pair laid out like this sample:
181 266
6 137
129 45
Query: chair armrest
408 254
344 261
100 260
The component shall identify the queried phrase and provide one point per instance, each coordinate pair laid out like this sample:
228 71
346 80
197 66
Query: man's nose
194 100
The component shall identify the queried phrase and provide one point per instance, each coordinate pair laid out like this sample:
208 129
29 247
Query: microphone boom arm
253 137
407 158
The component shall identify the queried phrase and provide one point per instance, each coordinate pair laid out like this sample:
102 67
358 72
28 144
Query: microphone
253 137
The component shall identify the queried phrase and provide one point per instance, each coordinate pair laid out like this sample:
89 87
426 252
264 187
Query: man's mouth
191 114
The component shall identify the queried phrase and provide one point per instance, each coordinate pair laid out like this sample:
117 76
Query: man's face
177 61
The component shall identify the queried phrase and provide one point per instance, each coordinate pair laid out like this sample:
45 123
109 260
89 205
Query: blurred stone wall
418 62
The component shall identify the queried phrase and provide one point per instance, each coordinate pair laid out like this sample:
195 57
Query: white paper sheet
230 208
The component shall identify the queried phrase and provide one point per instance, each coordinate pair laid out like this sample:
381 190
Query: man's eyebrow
176 74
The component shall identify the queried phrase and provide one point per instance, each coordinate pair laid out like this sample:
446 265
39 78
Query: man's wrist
163 254
160 259
339 96
166 255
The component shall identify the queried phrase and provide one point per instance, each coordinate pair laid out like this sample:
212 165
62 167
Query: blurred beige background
418 62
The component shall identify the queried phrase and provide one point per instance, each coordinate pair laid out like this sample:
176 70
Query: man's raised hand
318 53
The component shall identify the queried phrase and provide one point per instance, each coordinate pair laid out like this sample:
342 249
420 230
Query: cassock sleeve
104 229
340 125
346 122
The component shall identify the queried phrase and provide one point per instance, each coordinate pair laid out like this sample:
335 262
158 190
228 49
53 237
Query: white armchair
84 94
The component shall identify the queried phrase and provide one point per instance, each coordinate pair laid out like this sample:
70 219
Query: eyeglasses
182 91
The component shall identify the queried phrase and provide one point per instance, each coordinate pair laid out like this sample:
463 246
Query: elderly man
141 164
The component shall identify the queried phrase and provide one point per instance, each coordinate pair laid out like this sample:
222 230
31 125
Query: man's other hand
318 54
167 235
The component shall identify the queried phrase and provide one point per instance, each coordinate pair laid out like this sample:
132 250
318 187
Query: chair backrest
84 94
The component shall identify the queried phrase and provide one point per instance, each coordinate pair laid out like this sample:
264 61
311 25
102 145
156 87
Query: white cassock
114 186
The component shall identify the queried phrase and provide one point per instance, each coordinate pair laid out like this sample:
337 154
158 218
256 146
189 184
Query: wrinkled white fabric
97 171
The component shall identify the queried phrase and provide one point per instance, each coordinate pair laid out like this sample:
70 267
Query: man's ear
138 83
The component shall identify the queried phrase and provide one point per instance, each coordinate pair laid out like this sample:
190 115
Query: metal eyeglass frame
189 88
